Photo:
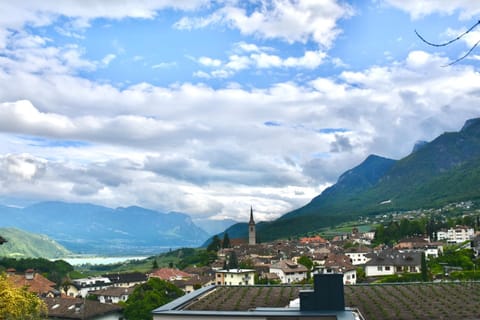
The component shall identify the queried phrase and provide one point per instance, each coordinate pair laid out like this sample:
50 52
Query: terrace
446 300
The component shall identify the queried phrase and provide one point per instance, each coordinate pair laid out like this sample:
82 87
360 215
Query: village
244 262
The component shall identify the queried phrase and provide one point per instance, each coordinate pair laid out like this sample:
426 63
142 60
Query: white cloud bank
214 151
201 149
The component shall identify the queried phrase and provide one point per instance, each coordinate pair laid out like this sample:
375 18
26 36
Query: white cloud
260 60
108 58
419 9
198 142
292 21
209 62
164 65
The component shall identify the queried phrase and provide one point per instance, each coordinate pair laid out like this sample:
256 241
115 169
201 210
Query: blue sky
210 107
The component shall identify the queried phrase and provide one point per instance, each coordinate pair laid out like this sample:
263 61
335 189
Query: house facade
289 271
82 287
390 262
235 277
358 256
339 264
458 234
113 294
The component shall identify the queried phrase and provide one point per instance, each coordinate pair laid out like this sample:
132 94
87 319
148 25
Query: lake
95 260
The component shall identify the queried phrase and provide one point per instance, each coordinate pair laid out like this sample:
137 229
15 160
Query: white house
391 262
339 263
358 256
113 294
458 234
289 271
235 277
81 287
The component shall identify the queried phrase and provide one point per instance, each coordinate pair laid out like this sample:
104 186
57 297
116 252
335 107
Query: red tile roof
169 274
38 284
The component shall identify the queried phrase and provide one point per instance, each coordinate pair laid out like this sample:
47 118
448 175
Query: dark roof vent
327 294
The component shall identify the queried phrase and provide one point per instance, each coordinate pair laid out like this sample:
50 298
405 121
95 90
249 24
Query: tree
424 268
215 245
19 303
308 263
148 296
155 264
232 261
226 241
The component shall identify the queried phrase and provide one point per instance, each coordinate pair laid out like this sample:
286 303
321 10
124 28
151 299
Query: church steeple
252 236
251 216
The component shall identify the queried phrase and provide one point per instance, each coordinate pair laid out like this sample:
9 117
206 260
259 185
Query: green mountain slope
444 170
22 244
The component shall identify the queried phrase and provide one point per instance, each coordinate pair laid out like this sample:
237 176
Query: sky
212 107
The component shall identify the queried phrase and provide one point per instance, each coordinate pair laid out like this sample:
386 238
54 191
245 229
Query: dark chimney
327 294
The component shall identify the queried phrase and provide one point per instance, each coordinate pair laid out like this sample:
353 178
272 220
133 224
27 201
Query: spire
251 216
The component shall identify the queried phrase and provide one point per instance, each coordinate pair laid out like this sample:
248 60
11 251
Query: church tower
252 237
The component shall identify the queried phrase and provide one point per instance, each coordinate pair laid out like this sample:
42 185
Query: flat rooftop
444 300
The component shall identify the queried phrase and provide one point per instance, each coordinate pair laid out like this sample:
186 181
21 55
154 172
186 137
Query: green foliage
453 257
19 303
361 276
198 257
465 275
226 241
232 261
406 277
395 230
149 296
215 244
55 271
22 244
155 264
424 268
306 261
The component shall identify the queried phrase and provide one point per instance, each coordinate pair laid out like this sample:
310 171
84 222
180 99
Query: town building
390 262
458 234
325 301
358 255
235 277
82 287
113 294
126 280
339 263
81 309
33 281
169 274
289 271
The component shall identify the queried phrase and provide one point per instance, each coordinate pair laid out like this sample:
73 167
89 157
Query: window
387 268
379 268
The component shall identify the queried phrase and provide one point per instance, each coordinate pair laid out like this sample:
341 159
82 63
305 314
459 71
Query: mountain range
436 173
88 228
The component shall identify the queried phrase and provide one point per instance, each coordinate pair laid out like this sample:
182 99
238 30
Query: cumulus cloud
211 150
419 9
292 21
250 56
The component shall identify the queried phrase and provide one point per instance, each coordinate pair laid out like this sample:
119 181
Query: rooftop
446 300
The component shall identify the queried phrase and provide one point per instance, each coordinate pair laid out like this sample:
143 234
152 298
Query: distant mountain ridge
88 228
22 244
442 171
